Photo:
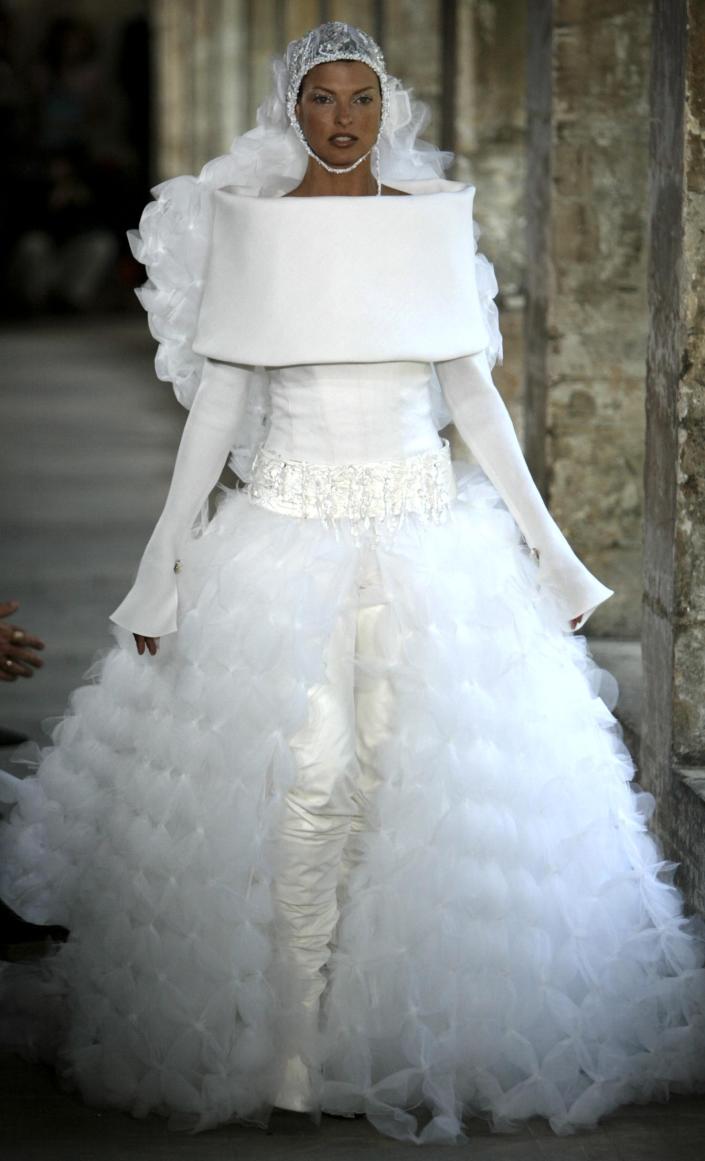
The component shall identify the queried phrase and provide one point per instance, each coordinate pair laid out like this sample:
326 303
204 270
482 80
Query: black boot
11 737
22 940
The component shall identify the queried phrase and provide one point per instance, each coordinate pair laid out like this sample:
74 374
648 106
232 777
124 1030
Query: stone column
365 14
412 47
266 36
490 146
202 74
539 97
299 16
673 740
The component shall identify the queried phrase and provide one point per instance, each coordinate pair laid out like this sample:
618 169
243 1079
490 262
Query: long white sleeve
484 423
151 606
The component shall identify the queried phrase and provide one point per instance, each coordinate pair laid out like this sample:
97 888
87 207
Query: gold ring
17 635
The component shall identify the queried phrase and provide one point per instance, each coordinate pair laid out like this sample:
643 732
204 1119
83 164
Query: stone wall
673 738
597 318
552 127
490 139
689 660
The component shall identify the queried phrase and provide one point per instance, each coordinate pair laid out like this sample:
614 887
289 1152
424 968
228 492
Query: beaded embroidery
374 497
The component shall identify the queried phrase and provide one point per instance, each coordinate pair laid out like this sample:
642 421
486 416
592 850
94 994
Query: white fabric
150 608
335 279
350 414
325 815
174 231
506 940
173 242
360 836
484 423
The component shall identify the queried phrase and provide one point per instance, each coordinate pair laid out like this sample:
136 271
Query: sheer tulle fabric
509 940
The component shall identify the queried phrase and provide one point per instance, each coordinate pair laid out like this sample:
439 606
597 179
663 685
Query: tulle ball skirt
508 940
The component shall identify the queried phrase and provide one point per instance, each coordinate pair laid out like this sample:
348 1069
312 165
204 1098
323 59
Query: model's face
339 110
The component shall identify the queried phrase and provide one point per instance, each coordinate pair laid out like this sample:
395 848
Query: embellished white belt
366 493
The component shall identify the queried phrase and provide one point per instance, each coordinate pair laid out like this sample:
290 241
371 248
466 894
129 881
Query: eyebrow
332 91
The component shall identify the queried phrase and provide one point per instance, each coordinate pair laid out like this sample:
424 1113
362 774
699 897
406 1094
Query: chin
333 157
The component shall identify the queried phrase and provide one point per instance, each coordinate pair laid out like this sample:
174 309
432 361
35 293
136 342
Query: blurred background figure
19 657
77 168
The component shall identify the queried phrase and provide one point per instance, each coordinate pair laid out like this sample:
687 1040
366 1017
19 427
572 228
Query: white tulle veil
173 236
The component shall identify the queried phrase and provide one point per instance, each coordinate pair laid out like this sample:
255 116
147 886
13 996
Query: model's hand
17 647
151 644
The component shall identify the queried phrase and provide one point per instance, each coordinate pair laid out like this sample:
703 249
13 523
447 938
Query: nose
343 114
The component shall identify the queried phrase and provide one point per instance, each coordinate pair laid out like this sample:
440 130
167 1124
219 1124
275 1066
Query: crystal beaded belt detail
367 494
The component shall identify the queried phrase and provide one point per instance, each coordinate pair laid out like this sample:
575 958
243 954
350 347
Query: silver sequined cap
331 41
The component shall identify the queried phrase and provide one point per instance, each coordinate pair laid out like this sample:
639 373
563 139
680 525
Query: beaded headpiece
331 41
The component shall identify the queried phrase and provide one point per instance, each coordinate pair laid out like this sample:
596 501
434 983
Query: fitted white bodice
351 412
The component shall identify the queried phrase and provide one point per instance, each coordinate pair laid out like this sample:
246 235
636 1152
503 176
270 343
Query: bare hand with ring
18 656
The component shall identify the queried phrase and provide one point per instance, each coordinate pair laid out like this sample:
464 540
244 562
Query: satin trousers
328 808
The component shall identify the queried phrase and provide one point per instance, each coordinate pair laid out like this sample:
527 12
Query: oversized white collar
342 279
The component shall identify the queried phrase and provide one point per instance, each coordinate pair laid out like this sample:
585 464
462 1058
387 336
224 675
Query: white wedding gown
361 837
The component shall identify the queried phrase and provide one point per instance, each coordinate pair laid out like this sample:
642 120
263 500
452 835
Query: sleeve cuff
150 609
576 592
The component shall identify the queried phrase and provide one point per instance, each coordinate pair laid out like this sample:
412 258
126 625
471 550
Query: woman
357 836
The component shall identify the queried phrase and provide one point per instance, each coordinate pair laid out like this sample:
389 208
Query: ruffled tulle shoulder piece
172 243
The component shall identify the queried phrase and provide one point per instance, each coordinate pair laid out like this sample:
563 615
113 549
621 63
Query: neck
318 182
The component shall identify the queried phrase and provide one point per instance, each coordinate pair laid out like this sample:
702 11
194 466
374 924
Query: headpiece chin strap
332 41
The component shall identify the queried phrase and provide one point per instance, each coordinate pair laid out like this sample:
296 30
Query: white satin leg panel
314 827
374 704
326 815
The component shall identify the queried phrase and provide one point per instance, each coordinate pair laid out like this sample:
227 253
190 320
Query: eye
320 98
366 98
